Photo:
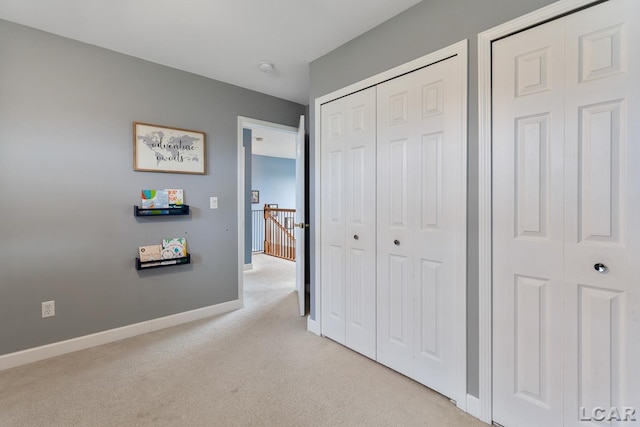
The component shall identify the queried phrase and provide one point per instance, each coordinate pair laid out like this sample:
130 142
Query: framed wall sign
255 196
164 149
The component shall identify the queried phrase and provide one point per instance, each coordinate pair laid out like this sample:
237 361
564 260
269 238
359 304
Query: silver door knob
396 242
301 225
356 237
600 267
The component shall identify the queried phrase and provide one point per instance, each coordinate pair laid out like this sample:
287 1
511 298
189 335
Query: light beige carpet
254 367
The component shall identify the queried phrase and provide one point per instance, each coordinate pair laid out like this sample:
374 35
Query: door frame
249 123
314 325
485 249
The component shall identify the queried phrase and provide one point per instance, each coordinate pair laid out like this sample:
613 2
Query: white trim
247 122
313 326
485 39
461 244
241 213
473 406
31 355
459 49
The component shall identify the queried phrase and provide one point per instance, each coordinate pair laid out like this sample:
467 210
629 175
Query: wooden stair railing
279 240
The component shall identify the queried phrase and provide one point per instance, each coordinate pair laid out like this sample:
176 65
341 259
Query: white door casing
419 147
565 334
300 229
349 220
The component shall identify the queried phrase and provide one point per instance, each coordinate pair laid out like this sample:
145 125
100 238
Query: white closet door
360 235
602 211
419 161
528 152
565 201
349 221
333 219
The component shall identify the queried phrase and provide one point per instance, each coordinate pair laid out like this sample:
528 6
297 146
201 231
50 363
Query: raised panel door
602 207
566 294
528 154
348 221
419 152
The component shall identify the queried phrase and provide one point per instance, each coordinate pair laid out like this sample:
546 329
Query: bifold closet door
420 149
566 234
348 193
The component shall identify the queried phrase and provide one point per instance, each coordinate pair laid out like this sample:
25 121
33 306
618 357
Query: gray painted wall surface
425 28
68 187
248 221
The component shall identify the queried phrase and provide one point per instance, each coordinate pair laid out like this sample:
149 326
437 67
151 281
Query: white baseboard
313 326
35 354
473 406
248 267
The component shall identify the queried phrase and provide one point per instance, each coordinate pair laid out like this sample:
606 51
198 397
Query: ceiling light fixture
265 67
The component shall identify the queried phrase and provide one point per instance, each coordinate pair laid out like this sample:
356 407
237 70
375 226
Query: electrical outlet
48 309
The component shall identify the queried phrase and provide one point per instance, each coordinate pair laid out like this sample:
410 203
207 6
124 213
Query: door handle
396 242
301 225
600 267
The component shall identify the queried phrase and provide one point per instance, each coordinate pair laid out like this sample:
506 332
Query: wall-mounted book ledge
180 210
144 265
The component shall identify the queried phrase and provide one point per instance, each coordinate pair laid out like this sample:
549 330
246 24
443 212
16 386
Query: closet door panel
439 148
348 219
420 145
528 186
602 207
360 230
395 221
333 220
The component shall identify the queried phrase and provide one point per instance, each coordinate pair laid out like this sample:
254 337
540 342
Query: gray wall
425 28
68 187
248 220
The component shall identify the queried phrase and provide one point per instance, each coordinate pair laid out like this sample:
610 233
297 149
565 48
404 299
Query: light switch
213 203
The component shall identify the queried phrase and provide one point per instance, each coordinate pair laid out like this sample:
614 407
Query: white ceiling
273 143
220 39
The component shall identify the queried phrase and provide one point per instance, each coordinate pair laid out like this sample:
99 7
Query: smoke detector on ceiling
265 67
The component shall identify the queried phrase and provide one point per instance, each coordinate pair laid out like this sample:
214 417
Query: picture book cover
174 248
150 253
155 199
176 197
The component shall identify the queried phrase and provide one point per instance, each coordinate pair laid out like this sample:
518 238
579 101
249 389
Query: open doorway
271 182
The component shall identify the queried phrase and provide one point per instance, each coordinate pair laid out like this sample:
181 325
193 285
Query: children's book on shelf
152 199
176 197
150 253
174 248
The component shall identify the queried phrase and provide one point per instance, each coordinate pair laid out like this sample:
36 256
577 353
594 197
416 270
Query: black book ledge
144 265
180 210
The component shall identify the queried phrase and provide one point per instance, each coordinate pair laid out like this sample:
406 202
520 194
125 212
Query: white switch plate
48 309
213 203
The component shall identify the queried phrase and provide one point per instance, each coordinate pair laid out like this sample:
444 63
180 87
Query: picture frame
255 196
158 148
273 205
